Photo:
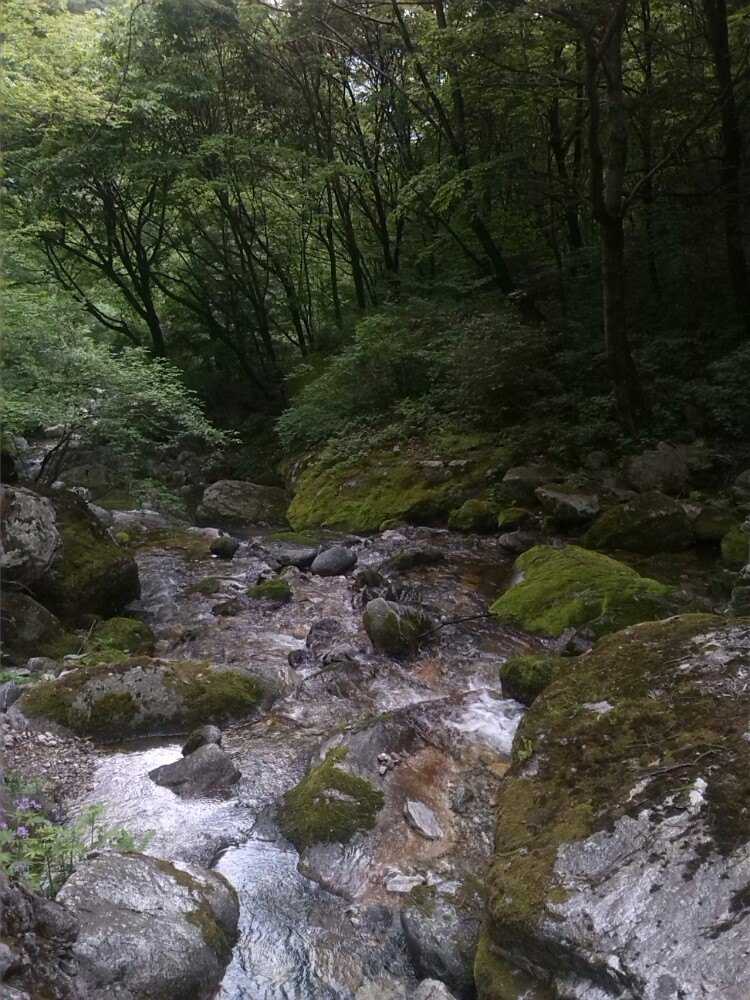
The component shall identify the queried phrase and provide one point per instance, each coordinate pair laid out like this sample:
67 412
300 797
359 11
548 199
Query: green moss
573 588
112 712
713 523
390 523
735 548
661 717
115 637
329 805
122 537
212 695
361 493
271 590
512 518
525 677
213 933
651 522
478 516
207 586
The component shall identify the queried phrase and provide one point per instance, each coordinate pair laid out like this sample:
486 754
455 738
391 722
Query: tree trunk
622 369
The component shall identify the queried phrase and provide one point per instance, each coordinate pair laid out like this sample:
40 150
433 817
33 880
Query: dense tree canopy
236 184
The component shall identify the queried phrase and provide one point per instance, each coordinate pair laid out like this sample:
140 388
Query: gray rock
518 541
432 989
323 635
441 942
201 737
224 547
205 771
422 818
234 501
568 506
401 885
29 540
740 603
10 692
150 928
26 624
336 561
105 517
665 469
519 484
42 665
741 486
394 628
289 554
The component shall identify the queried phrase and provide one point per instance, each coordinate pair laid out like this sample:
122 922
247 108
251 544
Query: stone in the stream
568 506
336 561
422 818
394 628
149 928
432 989
289 554
623 834
201 737
224 547
441 939
525 677
228 609
323 635
205 771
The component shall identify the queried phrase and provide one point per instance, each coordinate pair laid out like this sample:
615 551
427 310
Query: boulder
432 989
324 635
622 833
276 591
525 677
336 561
419 557
291 554
142 696
117 638
740 602
394 628
572 588
741 486
422 818
735 547
664 469
712 523
149 928
441 941
224 547
478 516
234 501
649 523
568 506
520 483
29 628
511 518
30 540
201 737
89 574
205 771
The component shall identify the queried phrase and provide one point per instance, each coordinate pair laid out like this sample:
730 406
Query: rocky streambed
430 733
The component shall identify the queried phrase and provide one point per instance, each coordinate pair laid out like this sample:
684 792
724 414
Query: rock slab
205 771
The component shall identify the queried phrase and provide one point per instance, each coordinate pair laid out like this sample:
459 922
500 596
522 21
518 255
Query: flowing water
299 939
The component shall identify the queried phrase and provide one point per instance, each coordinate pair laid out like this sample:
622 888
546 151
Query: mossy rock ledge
623 824
143 696
329 805
572 588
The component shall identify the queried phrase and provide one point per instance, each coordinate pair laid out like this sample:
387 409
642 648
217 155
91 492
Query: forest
375 500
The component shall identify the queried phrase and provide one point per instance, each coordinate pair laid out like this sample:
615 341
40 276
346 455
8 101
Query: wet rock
664 469
201 737
651 522
336 561
10 692
234 501
142 696
520 483
568 506
224 547
478 516
525 677
205 771
30 540
643 859
150 928
420 557
441 941
422 818
394 628
518 541
572 588
402 885
324 634
36 940
277 591
712 523
228 609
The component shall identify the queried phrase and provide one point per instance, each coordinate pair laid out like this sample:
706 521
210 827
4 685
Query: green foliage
45 853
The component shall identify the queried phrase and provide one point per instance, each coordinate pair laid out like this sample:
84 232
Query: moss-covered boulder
117 638
142 696
573 588
525 677
394 628
713 523
329 805
623 825
650 522
478 516
277 590
365 491
735 548
29 629
89 573
511 518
